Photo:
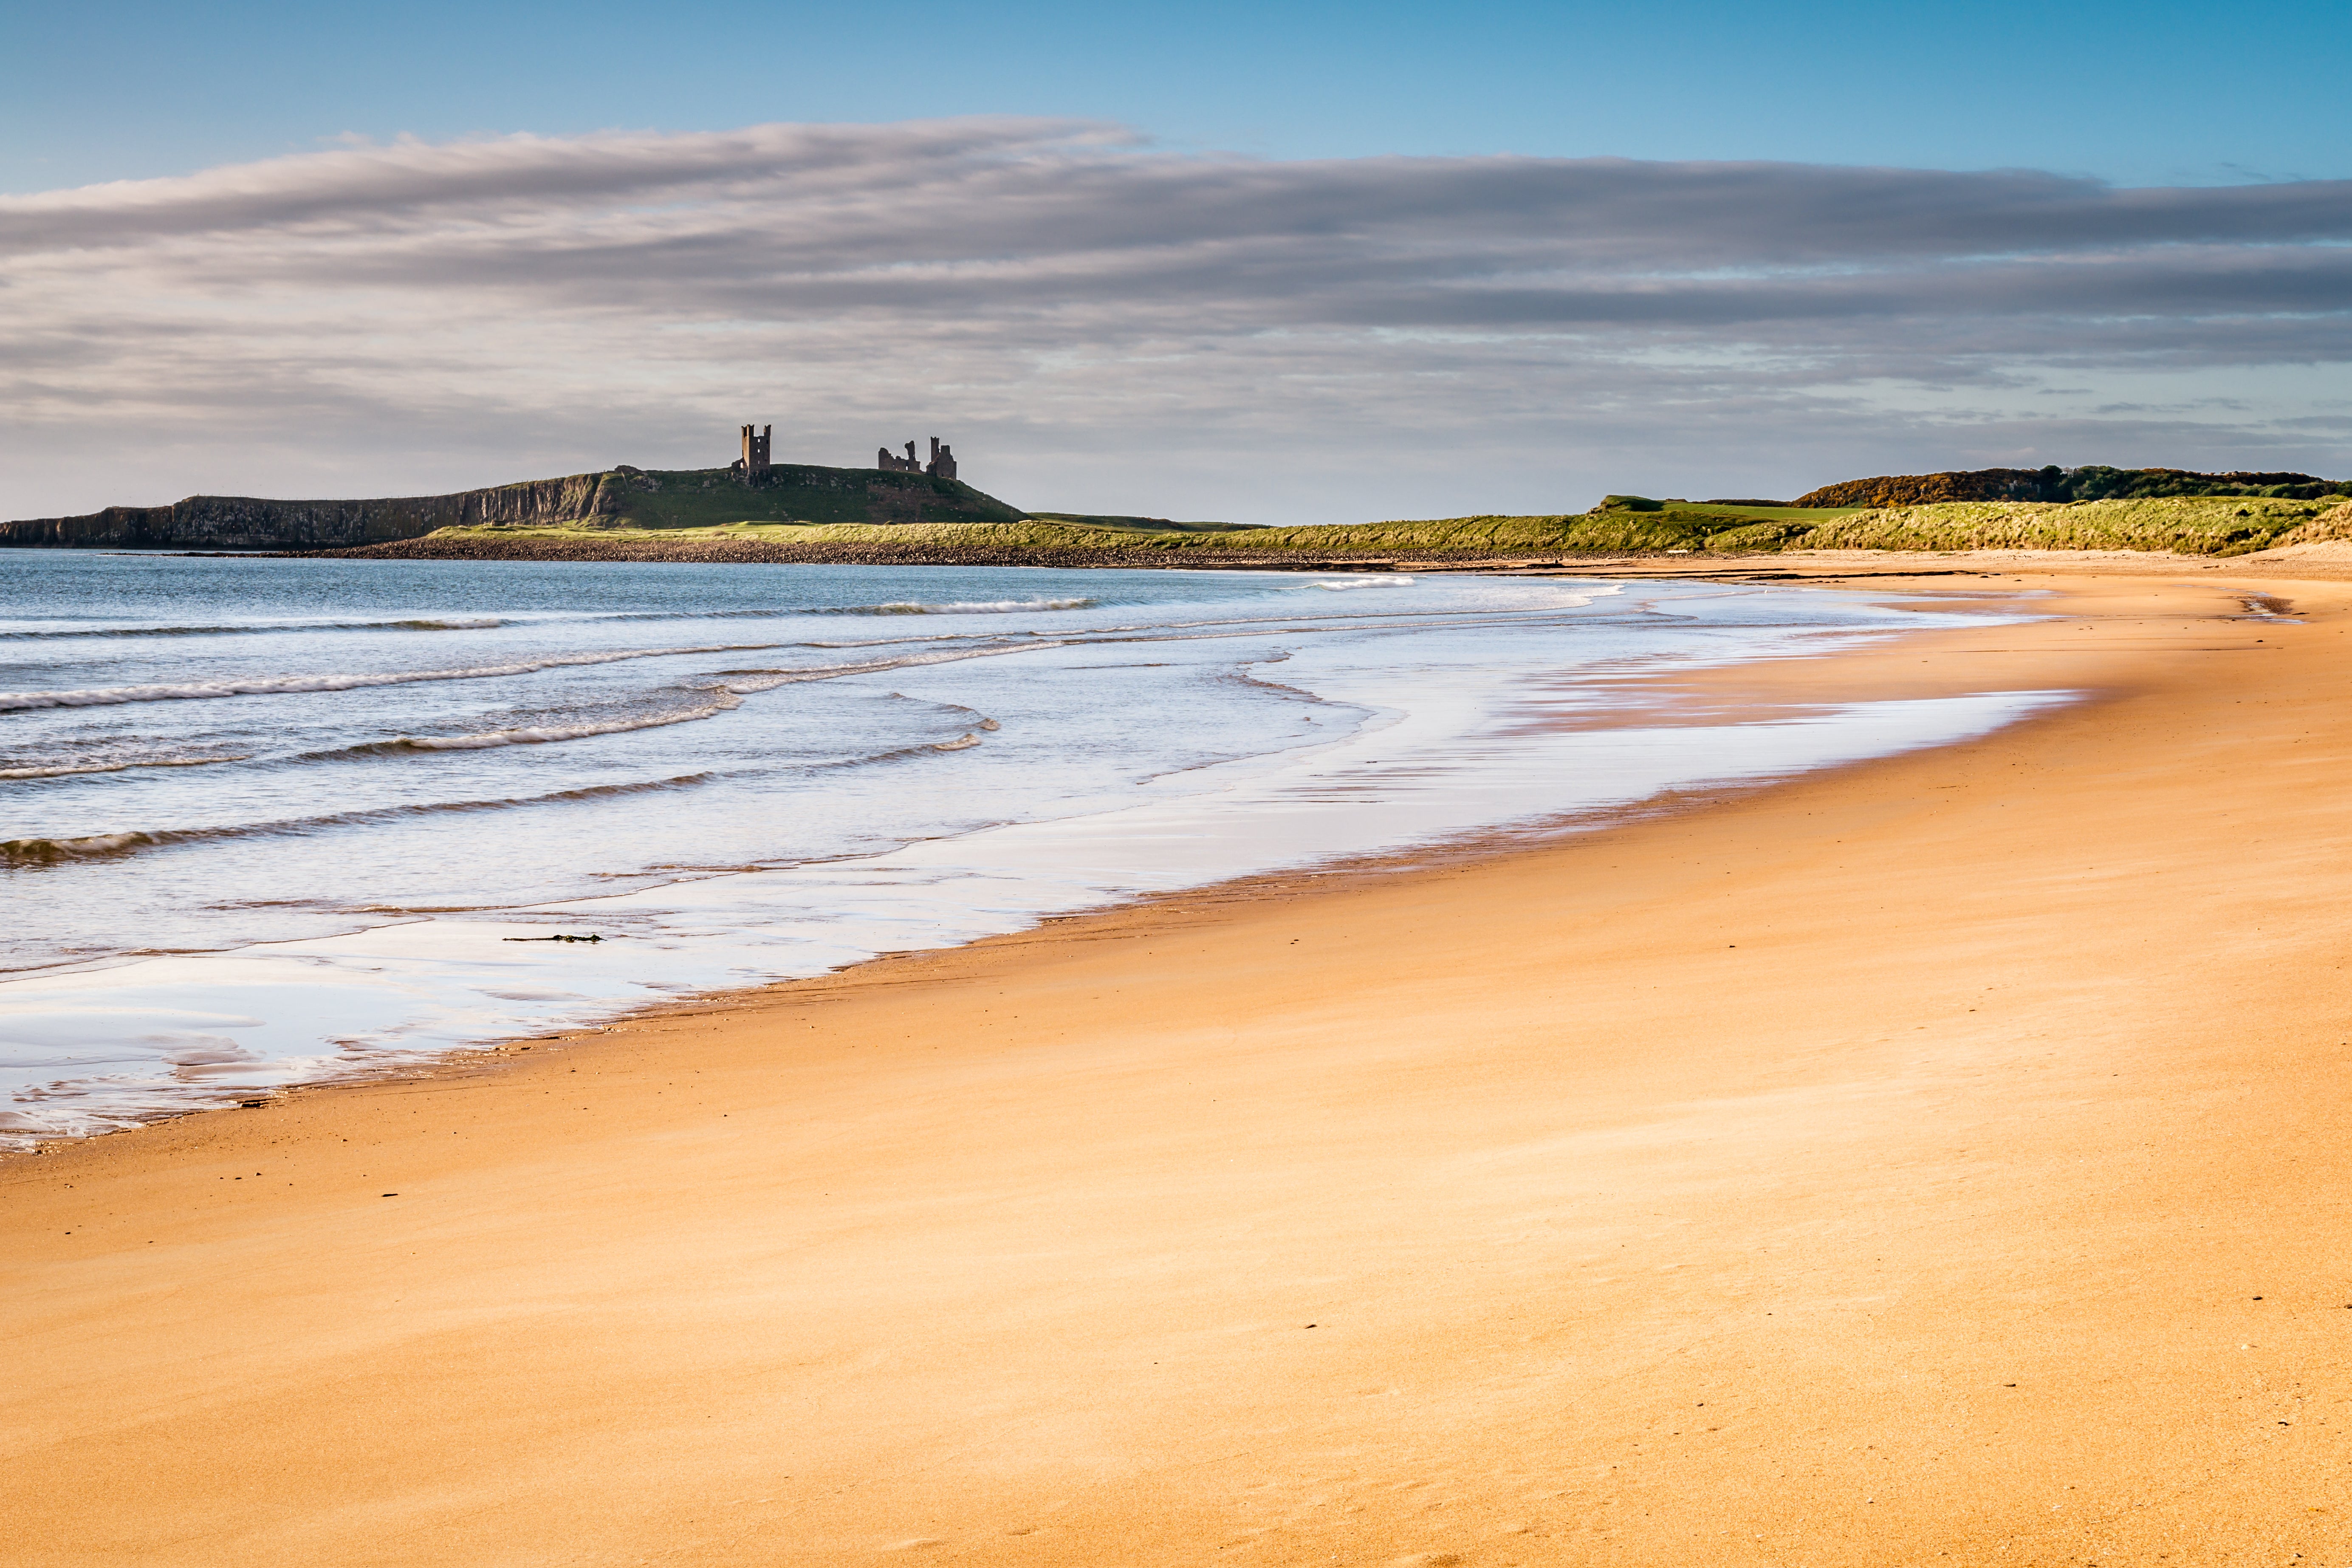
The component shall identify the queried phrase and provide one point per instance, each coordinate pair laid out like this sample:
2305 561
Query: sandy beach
1937 1160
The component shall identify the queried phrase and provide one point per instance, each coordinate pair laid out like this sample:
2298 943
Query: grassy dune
1441 539
2187 525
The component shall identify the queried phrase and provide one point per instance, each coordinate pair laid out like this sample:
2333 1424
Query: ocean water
266 821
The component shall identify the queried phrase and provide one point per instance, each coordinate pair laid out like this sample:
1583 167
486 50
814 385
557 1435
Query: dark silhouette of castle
943 465
758 442
758 445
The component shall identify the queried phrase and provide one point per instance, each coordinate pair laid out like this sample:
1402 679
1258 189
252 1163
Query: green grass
2189 525
1771 513
1671 528
1139 524
708 498
1437 538
1024 535
1675 528
2185 525
1705 508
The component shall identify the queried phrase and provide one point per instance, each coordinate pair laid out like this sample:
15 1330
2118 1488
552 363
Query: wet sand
1940 1160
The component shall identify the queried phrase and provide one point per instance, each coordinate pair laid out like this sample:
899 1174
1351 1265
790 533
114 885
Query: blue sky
1271 263
2143 94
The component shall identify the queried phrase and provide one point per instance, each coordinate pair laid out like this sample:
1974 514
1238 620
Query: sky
1271 263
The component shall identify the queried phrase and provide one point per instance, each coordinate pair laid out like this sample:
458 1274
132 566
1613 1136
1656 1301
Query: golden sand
1938 1161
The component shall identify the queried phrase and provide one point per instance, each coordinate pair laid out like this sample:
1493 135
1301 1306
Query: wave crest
959 607
29 853
285 685
746 681
546 734
409 624
71 769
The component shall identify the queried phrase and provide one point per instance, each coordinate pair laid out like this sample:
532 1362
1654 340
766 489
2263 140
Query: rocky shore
914 551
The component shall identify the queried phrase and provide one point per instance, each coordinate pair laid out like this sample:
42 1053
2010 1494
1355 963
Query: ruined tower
943 465
756 446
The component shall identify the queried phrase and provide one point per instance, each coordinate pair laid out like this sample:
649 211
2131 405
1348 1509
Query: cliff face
247 522
622 497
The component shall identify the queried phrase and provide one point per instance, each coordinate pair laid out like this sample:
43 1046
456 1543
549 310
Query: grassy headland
795 493
625 498
2187 525
800 512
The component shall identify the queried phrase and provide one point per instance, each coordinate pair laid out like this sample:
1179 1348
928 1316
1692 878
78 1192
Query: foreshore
2322 561
1937 1160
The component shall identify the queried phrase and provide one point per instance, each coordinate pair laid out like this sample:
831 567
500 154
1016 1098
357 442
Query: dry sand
1939 1160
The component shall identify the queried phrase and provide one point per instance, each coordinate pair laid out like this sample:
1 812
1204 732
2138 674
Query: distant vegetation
2183 524
808 513
795 492
2189 525
1138 524
2093 482
2186 525
1044 542
622 498
1441 537
1048 540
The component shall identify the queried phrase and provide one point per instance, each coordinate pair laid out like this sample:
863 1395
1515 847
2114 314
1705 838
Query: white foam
70 769
266 686
331 1008
966 607
751 681
53 629
1139 748
545 734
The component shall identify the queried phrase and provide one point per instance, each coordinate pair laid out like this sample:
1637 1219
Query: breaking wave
411 624
544 734
70 769
17 854
272 685
746 681
959 607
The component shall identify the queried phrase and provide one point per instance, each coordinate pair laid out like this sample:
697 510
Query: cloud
1089 313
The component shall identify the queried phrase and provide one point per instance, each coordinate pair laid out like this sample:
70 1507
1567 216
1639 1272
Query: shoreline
979 1196
1418 763
2329 562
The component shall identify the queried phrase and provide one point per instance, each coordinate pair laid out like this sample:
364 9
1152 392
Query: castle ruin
758 449
758 442
943 465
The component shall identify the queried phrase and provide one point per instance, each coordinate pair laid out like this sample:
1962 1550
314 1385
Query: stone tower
756 446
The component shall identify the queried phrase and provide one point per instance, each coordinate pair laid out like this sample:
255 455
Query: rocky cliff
621 497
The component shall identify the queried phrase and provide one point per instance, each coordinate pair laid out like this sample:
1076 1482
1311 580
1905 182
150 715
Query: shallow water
270 821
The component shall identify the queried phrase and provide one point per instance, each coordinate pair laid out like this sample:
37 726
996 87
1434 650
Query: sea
266 821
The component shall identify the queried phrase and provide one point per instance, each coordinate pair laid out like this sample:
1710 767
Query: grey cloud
378 184
1063 289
